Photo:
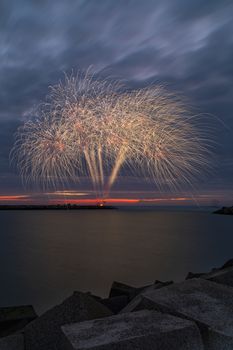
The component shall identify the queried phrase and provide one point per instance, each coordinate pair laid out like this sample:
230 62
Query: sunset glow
14 198
86 198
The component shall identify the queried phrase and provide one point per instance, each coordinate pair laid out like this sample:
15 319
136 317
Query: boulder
119 289
15 318
225 211
207 303
115 304
147 330
223 276
228 263
12 342
45 332
194 275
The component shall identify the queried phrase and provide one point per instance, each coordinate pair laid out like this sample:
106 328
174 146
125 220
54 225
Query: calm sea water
46 255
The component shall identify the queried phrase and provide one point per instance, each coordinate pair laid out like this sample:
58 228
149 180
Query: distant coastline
224 211
57 207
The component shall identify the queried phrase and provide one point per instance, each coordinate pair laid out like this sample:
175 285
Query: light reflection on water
46 255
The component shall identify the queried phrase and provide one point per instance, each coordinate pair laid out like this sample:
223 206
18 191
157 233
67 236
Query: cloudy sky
185 44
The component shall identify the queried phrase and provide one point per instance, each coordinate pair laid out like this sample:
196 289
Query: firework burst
92 128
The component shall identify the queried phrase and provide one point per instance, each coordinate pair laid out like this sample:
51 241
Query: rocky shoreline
69 206
196 314
225 211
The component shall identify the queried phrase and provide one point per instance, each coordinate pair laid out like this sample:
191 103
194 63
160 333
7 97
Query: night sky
185 44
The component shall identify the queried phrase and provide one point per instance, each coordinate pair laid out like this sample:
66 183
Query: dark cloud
186 44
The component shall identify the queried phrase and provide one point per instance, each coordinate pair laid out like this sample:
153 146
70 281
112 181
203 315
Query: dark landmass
56 207
195 314
225 211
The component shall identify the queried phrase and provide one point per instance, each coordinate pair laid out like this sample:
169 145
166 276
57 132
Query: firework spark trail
92 128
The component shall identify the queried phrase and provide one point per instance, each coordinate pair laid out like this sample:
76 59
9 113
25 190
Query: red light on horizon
97 201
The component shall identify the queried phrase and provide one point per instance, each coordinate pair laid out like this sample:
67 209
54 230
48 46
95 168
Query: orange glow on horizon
14 198
115 200
86 198
94 201
30 199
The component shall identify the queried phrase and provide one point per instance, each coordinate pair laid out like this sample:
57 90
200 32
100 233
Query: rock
194 275
223 276
15 318
225 211
45 332
207 303
229 263
159 284
115 304
12 342
147 330
119 289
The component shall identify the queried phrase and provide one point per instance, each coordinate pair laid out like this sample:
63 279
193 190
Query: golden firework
92 128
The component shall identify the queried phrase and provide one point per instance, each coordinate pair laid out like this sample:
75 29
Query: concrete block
147 330
120 289
115 304
45 332
194 275
223 276
228 263
15 318
207 303
12 342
